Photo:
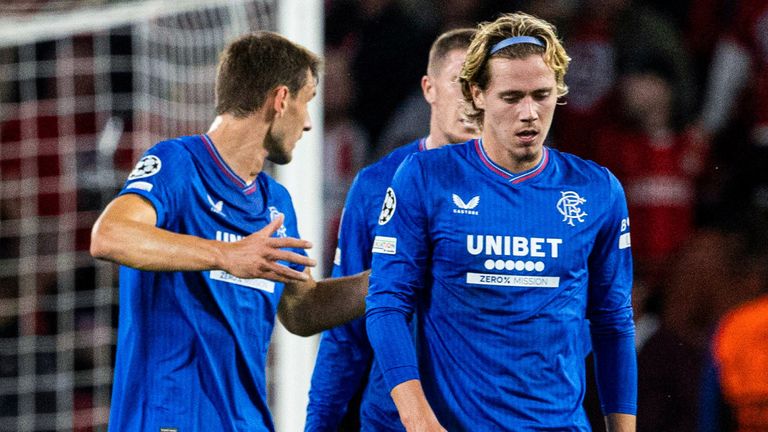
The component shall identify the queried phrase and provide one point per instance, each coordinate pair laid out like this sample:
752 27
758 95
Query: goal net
84 91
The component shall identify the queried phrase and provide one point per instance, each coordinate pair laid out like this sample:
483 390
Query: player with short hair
503 247
345 369
210 254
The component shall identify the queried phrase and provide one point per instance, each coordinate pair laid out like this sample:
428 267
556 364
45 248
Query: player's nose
528 111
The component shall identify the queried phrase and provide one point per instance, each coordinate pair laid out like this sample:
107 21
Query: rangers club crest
273 213
569 206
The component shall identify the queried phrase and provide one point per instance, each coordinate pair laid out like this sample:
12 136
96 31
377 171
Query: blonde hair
475 71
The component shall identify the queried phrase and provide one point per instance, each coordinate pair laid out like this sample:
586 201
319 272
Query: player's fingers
289 242
293 257
287 274
272 226
270 275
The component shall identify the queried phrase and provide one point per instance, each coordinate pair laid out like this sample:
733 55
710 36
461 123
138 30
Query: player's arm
620 422
415 412
610 313
399 264
343 360
309 307
344 356
125 233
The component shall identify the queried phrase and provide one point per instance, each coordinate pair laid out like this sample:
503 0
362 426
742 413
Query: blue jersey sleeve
355 230
157 178
344 356
290 226
610 309
400 254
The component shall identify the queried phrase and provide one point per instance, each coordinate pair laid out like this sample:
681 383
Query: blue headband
516 40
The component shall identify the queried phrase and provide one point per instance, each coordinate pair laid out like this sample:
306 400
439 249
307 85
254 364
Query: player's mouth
527 135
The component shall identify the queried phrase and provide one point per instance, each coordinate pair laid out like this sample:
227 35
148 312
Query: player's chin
529 143
528 150
280 158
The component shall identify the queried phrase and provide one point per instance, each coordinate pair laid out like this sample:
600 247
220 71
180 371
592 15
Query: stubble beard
276 152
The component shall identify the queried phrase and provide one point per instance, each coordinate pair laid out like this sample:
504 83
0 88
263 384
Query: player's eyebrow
511 93
520 93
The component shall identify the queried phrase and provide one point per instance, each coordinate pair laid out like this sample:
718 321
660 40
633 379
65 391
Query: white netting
77 106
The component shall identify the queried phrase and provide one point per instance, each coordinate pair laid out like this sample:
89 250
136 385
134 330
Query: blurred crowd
671 96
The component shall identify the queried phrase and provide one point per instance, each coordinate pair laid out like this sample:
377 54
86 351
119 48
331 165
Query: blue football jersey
502 271
345 359
192 346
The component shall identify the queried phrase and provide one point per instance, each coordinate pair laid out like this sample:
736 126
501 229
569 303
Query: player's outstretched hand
256 256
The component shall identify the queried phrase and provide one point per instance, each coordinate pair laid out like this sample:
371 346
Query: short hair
475 70
254 64
451 40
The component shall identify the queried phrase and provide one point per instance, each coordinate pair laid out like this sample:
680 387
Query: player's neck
435 140
240 142
514 160
429 142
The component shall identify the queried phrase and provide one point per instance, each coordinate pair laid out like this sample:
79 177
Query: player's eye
542 95
511 99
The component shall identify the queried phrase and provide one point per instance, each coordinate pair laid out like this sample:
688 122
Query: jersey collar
226 170
505 174
422 144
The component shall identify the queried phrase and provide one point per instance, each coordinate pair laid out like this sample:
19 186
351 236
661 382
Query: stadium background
87 85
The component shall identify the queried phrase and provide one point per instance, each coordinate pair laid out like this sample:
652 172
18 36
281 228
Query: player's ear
280 101
428 89
478 96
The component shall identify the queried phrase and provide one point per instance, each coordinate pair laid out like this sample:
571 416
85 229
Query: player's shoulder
178 144
441 164
445 154
393 159
578 168
164 158
177 149
381 171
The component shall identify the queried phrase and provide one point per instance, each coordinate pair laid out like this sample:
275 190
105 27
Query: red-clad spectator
606 39
658 166
740 68
734 115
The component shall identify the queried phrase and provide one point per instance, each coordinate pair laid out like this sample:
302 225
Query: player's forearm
308 308
615 364
620 423
343 361
415 412
145 247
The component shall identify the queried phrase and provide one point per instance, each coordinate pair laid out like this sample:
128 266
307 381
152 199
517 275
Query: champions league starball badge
148 166
388 208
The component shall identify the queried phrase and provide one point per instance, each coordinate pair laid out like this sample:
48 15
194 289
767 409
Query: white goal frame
299 20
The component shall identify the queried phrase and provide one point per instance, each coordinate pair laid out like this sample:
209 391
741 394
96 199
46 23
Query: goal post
84 92
301 21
